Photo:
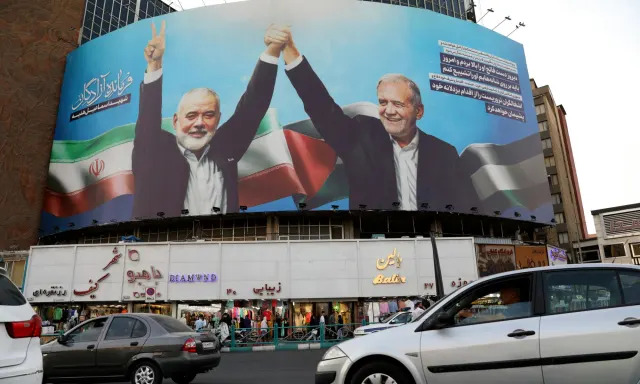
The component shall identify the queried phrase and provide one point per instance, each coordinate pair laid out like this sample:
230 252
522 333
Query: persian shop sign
194 278
381 264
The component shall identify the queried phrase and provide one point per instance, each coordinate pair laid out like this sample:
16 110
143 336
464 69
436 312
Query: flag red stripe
267 185
313 160
69 204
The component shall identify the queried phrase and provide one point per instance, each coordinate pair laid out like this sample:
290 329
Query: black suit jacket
367 152
161 172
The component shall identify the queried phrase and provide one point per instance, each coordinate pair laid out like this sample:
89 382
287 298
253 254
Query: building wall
570 223
623 240
35 38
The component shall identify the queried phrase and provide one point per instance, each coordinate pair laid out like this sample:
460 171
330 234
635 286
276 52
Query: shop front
287 283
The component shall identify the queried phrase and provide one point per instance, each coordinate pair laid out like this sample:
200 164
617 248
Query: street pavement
279 367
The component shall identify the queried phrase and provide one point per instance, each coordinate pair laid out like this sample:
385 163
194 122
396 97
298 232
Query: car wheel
184 379
381 373
146 373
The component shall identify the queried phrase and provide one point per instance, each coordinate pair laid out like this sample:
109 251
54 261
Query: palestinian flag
282 161
510 178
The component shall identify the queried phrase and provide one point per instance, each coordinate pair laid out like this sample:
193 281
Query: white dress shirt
406 163
205 188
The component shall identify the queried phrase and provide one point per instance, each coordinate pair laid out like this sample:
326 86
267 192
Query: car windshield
171 325
428 310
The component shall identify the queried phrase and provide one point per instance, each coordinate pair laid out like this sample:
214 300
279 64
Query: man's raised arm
339 130
235 136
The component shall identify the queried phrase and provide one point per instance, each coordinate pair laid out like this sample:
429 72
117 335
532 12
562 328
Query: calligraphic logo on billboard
103 87
381 264
96 167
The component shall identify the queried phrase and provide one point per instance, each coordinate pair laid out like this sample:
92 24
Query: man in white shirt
390 162
197 169
419 309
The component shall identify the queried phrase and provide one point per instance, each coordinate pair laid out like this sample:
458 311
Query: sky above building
588 53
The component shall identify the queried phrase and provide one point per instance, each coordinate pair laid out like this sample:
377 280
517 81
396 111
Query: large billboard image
284 105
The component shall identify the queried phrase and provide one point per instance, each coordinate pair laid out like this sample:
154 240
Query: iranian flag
282 161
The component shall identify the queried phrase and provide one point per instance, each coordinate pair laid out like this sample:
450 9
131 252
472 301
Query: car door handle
91 346
521 333
629 321
134 343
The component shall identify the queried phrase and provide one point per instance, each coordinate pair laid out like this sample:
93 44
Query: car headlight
333 353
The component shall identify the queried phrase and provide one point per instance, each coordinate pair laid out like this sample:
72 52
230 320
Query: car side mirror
63 339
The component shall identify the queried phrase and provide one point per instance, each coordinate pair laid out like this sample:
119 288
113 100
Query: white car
552 325
397 319
20 329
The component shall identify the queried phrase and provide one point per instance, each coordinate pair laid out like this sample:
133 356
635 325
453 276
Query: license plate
208 345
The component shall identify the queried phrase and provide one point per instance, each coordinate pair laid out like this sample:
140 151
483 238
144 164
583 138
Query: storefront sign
531 257
557 256
269 290
55 290
231 291
454 283
394 279
392 259
144 275
494 259
194 278
94 286
381 264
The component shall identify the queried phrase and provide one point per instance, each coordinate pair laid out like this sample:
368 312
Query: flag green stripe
71 151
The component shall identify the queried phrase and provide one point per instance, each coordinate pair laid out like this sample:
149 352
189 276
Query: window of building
559 218
571 291
543 126
614 250
635 249
556 198
540 109
303 228
554 179
550 161
563 238
249 229
546 143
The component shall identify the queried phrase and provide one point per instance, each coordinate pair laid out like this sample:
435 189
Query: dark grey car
142 348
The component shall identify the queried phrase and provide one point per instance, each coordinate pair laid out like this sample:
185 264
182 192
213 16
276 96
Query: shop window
563 238
571 291
614 250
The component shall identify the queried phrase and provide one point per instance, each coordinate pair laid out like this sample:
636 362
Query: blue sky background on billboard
348 49
566 43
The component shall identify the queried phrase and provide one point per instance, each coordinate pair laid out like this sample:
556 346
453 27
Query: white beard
191 143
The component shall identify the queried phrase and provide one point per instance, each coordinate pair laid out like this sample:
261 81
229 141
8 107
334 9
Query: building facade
460 9
618 234
104 16
570 225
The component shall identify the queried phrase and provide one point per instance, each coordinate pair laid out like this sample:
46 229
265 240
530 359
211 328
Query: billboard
286 105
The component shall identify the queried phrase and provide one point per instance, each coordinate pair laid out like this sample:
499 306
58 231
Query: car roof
564 267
